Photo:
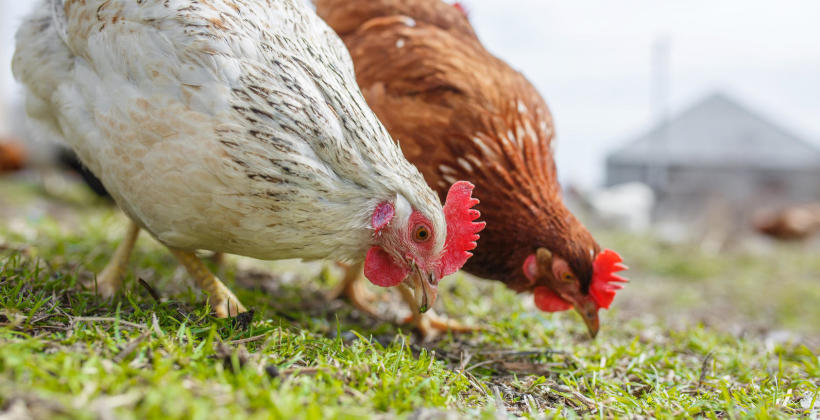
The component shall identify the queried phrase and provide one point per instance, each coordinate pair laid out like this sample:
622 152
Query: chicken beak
425 289
589 313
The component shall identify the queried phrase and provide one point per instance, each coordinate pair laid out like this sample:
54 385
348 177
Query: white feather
230 126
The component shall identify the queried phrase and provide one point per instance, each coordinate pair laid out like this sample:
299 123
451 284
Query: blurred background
688 135
698 113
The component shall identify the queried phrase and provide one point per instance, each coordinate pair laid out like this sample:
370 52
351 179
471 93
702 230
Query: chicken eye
421 233
568 277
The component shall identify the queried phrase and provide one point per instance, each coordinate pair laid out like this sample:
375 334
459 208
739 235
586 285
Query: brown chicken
458 112
791 223
12 156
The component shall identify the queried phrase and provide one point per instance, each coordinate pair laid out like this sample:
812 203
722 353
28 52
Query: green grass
694 334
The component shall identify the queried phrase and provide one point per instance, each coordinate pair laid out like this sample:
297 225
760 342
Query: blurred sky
592 61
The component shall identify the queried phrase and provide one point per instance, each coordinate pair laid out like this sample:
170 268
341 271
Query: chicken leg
430 324
222 300
354 289
109 281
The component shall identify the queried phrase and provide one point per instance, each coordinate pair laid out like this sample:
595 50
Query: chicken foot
354 289
109 281
222 300
430 324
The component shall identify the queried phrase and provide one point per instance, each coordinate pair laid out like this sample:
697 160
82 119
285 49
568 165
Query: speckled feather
233 126
461 113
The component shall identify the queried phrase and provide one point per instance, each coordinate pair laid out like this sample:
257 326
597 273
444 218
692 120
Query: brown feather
12 156
458 112
346 16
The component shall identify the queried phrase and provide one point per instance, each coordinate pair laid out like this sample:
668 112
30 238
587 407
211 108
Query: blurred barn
718 162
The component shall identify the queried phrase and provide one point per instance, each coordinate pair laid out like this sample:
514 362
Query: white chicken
236 126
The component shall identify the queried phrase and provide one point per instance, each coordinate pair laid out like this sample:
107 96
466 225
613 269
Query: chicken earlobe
535 265
379 266
382 216
538 266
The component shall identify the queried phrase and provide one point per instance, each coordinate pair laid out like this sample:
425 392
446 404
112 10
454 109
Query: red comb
461 8
462 230
604 282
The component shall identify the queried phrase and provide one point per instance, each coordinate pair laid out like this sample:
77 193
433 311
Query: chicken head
409 252
557 288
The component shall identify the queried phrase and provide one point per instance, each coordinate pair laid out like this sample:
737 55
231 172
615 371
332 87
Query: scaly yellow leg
109 280
429 323
221 298
354 288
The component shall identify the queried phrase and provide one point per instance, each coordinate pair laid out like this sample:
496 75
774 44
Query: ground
694 334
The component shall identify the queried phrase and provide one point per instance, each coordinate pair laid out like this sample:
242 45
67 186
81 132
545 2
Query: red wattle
382 270
547 301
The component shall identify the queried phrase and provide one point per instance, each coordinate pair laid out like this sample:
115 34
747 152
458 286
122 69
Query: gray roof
719 132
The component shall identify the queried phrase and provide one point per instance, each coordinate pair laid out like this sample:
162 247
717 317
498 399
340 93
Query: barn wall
687 188
745 185
621 173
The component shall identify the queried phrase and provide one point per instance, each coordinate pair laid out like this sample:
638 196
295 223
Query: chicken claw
221 299
109 281
354 289
429 324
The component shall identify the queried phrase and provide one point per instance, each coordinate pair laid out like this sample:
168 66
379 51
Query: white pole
659 91
657 173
